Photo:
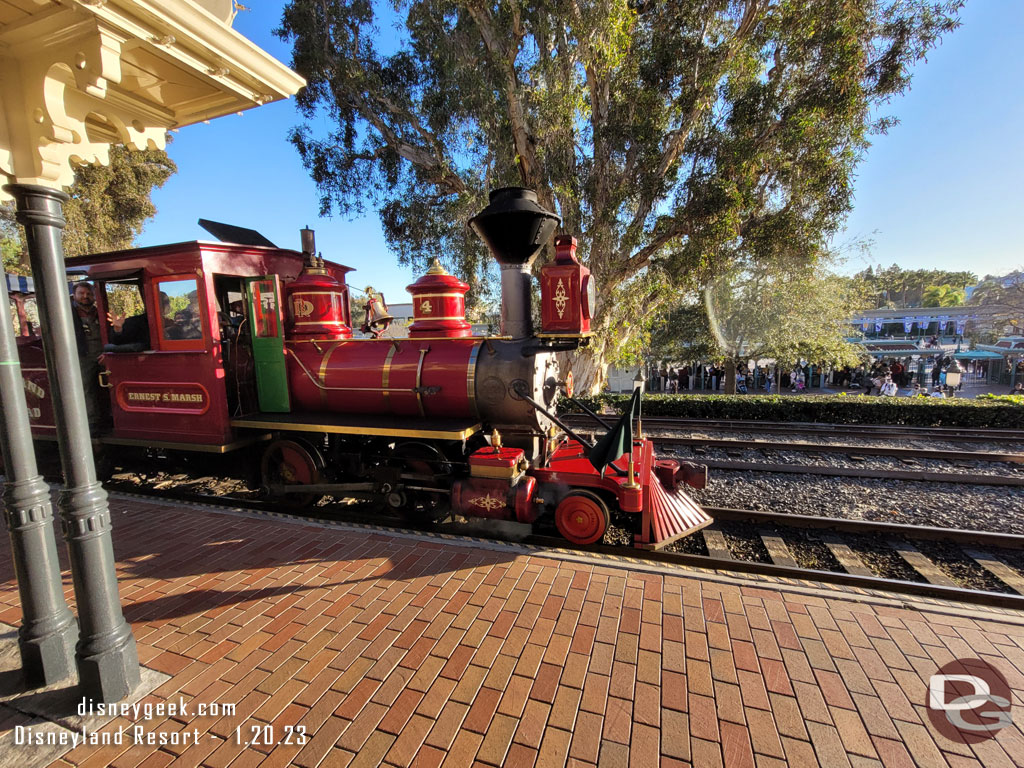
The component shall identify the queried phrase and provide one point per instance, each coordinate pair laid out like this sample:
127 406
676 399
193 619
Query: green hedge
1014 399
830 409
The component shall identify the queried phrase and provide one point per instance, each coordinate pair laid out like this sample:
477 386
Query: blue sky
944 189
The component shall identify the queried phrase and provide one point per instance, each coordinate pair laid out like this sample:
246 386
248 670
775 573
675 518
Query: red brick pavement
401 651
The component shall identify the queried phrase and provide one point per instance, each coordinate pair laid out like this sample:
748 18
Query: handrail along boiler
251 348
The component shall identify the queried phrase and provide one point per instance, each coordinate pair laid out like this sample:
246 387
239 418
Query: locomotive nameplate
186 397
40 411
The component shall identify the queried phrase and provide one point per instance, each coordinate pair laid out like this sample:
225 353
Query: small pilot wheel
582 517
287 462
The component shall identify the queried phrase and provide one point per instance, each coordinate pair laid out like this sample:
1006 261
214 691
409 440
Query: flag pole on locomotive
618 441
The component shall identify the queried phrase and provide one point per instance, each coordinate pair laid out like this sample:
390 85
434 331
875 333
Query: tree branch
676 140
642 258
505 59
440 171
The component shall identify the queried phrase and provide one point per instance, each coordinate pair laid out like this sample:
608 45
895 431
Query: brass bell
377 319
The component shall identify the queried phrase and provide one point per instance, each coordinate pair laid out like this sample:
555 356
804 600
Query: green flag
618 440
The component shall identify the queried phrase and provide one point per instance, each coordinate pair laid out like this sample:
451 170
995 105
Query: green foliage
1000 305
900 288
786 312
1013 399
124 300
671 137
830 409
11 251
178 303
110 203
942 296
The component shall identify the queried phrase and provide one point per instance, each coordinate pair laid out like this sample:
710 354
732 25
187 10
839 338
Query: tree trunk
589 373
730 376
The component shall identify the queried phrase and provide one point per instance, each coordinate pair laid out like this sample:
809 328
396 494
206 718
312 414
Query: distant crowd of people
673 380
891 379
883 378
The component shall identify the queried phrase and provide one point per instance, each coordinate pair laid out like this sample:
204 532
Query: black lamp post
640 382
46 637
106 655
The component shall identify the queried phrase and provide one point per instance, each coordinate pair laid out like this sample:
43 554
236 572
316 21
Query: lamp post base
49 659
112 675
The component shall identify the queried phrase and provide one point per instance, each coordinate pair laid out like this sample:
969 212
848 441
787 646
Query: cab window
125 308
180 317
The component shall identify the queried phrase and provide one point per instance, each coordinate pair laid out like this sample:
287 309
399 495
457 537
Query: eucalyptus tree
669 135
109 205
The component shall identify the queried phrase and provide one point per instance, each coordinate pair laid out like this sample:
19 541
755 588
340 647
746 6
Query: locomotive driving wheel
429 463
290 462
582 517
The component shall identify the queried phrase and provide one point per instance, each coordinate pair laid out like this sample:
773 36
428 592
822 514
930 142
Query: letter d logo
937 692
969 701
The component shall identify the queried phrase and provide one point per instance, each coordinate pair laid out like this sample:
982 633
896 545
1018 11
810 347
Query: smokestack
308 238
515 228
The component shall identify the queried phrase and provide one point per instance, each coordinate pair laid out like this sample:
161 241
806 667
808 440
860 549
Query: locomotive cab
178 361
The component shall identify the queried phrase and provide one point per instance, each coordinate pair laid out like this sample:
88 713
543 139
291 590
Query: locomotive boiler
442 372
251 349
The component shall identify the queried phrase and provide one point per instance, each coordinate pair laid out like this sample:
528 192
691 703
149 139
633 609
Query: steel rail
958 594
959 478
852 430
869 527
867 450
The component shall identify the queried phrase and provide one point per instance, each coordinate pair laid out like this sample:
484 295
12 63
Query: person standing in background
90 347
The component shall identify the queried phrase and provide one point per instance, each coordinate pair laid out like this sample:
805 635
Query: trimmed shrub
1014 399
995 413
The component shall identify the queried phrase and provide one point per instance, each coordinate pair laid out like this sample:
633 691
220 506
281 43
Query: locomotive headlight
589 297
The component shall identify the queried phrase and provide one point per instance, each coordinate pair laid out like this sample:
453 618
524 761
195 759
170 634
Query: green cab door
263 296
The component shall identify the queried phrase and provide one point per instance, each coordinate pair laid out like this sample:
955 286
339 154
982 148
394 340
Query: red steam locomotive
250 347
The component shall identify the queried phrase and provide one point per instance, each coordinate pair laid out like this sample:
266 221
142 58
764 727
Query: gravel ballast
944 505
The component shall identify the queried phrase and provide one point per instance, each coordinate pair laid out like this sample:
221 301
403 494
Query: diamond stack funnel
514 226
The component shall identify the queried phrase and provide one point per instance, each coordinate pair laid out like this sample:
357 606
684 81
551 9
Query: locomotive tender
261 357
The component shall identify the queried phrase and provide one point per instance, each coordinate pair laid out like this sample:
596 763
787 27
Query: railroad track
984 552
779 537
905 454
866 472
953 434
855 453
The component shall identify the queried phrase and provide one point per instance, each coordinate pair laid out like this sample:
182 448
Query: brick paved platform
401 650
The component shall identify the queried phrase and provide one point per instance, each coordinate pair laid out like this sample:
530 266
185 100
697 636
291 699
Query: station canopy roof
978 354
80 75
1008 345
884 345
915 314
